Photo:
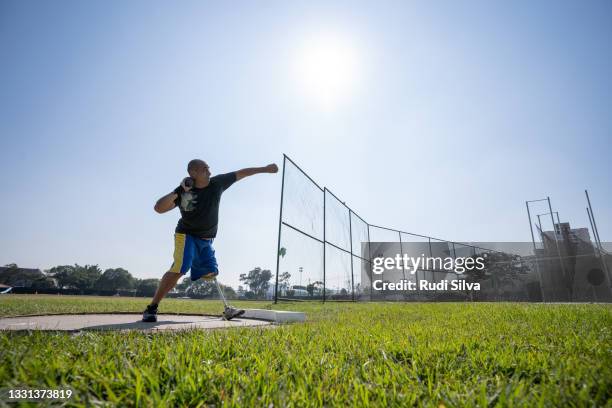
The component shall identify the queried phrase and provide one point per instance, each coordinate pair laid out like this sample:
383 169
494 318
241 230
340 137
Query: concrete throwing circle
76 322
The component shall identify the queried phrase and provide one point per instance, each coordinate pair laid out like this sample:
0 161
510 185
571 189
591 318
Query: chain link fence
326 251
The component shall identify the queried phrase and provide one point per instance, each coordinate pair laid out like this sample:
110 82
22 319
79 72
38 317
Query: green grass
382 354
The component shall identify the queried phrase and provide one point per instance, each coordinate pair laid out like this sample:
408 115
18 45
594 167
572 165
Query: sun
327 70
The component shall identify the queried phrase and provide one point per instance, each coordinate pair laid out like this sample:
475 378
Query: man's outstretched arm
270 168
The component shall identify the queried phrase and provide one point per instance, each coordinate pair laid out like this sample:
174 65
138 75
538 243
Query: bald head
198 170
195 165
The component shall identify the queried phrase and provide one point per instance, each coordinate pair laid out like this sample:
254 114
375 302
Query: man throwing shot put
198 198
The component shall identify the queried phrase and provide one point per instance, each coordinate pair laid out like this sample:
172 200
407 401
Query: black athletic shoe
150 314
230 312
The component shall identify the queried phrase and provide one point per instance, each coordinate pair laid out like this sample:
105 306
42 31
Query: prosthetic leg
229 312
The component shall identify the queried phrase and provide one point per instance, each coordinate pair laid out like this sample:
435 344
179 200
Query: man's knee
171 277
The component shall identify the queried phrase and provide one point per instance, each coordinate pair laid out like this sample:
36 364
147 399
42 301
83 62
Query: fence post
402 254
280 223
351 247
324 240
370 260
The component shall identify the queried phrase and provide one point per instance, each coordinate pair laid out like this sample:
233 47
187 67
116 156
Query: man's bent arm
166 203
270 168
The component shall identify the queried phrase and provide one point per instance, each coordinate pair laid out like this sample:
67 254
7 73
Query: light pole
547 199
535 252
596 236
540 225
559 232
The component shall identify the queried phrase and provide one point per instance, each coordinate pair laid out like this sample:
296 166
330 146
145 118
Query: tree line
91 278
79 277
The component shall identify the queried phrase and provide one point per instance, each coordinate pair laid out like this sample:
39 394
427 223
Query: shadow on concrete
136 325
122 322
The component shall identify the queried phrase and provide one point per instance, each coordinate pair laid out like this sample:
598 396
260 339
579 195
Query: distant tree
114 279
500 268
77 276
182 286
316 286
257 280
476 274
12 275
229 292
8 275
146 287
87 276
202 288
44 282
62 274
283 281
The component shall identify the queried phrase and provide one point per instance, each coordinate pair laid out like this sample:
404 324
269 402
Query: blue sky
456 113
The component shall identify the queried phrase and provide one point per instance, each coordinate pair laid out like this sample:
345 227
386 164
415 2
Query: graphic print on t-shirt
188 201
200 206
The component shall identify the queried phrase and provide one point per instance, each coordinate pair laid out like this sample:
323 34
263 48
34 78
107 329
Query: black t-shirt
200 206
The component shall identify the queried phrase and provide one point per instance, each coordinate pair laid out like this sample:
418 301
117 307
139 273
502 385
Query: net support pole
370 257
595 230
324 241
402 254
280 223
351 246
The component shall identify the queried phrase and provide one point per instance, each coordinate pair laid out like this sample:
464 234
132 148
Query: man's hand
166 203
271 168
187 184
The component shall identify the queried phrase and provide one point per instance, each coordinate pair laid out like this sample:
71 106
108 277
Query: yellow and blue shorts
197 254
